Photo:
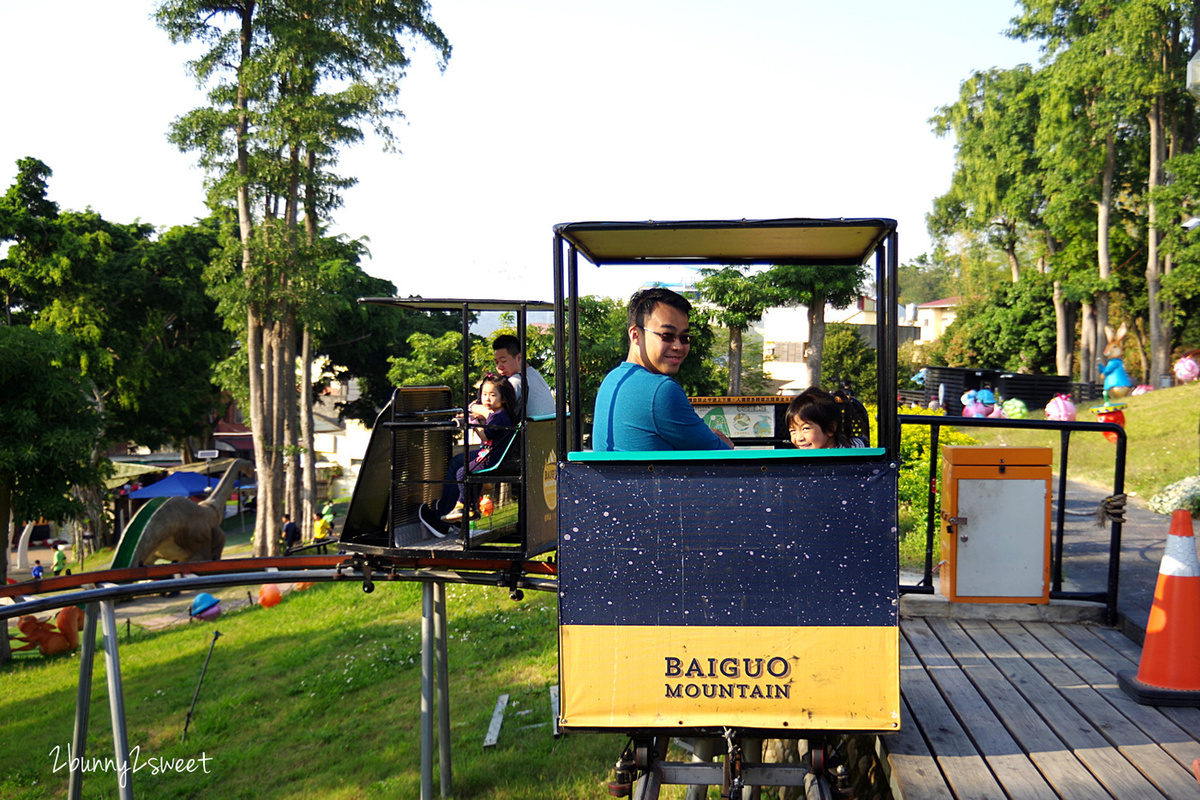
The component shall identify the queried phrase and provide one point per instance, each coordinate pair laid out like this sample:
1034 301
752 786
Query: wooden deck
1005 709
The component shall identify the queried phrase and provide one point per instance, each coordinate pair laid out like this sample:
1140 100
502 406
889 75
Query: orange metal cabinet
995 526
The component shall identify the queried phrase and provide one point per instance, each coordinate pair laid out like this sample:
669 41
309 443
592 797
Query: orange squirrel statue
50 639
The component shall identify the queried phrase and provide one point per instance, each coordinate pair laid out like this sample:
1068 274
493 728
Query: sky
548 111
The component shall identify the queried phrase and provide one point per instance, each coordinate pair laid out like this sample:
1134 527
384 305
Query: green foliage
816 285
995 188
539 347
738 299
754 379
735 300
1009 329
1179 199
916 446
924 280
139 327
846 358
47 429
435 361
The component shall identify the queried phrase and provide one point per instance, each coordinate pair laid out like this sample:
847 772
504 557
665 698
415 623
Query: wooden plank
1007 760
493 731
1118 641
1117 775
1150 759
1186 718
1061 769
912 770
966 773
1098 664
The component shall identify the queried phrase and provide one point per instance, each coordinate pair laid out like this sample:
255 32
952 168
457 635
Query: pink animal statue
1061 409
1186 370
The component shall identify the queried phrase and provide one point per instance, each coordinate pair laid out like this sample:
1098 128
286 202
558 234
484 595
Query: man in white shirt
509 358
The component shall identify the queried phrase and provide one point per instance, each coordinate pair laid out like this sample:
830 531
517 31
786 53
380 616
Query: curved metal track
32 597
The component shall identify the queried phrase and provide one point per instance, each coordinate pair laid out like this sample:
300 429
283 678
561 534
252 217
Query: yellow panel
640 677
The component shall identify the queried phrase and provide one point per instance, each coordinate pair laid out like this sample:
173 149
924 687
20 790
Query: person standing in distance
640 406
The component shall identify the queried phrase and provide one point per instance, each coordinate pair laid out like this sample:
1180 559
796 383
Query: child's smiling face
808 436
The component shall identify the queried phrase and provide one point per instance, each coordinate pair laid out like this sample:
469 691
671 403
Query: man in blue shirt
640 406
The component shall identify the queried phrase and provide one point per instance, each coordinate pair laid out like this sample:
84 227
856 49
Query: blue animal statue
1117 382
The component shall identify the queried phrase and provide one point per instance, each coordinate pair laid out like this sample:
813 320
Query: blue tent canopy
179 484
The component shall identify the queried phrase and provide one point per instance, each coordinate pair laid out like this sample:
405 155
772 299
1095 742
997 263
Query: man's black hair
506 341
642 304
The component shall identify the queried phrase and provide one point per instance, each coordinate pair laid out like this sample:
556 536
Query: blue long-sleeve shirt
639 410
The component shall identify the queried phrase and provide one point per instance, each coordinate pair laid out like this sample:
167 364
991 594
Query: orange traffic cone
1169 672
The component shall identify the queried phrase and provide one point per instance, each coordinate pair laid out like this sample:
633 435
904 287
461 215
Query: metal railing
1109 596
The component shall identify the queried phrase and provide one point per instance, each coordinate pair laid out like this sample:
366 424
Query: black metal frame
567 248
440 420
1109 596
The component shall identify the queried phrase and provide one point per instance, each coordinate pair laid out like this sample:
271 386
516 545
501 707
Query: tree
736 299
814 286
47 432
131 305
924 280
1007 329
292 81
846 358
995 188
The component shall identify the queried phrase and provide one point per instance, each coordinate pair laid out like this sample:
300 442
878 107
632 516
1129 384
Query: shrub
916 441
1184 494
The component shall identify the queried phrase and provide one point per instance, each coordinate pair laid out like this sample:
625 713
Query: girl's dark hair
818 407
508 395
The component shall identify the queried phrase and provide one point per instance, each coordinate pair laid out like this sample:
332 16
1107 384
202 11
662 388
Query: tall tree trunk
288 404
275 403
1088 370
1139 338
1159 332
1064 333
264 521
816 338
735 362
309 491
1103 220
308 495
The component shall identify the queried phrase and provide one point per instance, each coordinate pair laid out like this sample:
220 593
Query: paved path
1086 547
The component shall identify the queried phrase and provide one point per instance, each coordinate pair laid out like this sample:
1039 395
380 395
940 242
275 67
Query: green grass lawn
316 697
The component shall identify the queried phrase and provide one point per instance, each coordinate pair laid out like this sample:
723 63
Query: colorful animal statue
987 399
181 530
1015 408
50 639
1186 370
1116 380
1060 408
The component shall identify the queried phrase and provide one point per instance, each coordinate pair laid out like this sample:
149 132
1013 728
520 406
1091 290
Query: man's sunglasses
668 337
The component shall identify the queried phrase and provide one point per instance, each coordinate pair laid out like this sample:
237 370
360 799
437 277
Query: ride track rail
86 587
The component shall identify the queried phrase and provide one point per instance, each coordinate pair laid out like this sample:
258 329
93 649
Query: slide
133 532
